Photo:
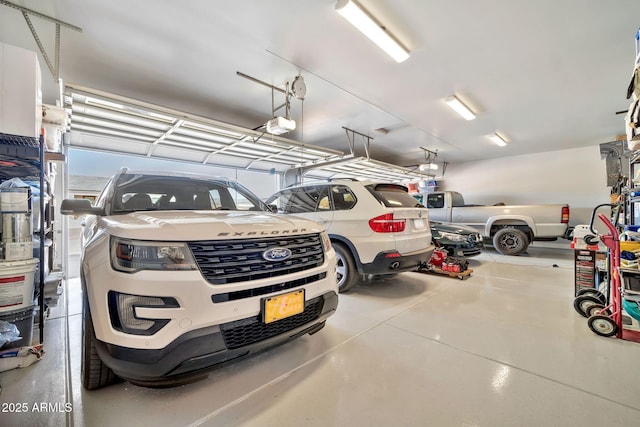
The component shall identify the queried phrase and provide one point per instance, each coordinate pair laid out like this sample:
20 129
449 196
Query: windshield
137 192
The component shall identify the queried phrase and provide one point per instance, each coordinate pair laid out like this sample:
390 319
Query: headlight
453 237
326 242
130 256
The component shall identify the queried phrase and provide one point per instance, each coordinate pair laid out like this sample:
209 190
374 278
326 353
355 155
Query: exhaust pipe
394 265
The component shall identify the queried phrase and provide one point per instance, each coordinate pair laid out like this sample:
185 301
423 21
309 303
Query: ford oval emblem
276 254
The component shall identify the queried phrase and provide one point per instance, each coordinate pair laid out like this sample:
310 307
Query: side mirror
79 207
273 208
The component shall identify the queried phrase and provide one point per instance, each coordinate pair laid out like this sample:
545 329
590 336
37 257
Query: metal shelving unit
25 158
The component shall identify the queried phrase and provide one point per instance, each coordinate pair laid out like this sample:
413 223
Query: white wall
576 176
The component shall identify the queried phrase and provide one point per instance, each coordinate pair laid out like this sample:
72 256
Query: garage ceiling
549 74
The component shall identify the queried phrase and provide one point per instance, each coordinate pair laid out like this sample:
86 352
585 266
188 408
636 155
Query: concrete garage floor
503 348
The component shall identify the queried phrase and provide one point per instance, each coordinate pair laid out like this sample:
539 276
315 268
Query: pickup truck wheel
510 241
93 372
346 268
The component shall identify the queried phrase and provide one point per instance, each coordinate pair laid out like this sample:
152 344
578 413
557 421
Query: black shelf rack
24 157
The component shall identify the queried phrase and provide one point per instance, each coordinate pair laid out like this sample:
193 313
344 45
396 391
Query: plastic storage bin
16 284
23 319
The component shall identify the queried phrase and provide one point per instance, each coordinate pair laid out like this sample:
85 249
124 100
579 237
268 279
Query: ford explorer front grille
232 261
248 331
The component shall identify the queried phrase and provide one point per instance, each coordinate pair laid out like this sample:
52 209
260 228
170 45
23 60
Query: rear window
435 201
393 196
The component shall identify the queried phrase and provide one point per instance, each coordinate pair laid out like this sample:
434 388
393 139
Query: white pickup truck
511 228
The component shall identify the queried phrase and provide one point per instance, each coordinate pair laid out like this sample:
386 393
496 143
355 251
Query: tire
602 325
93 372
596 293
583 303
348 275
595 309
510 241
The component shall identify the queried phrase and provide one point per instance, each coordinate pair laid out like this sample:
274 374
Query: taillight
565 214
386 224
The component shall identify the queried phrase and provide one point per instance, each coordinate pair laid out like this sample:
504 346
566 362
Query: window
281 200
181 193
309 199
435 201
393 195
242 203
343 198
104 194
302 200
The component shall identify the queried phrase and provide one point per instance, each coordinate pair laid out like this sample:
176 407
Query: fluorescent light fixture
498 139
459 107
280 125
367 24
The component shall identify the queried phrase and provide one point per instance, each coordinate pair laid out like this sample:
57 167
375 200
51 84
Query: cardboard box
20 92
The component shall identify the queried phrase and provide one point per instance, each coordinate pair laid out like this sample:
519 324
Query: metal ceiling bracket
429 155
351 137
53 68
286 92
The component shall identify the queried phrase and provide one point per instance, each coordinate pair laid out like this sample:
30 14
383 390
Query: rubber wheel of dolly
595 309
602 325
596 293
582 303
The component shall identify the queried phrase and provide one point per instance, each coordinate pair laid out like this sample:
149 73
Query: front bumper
463 250
387 263
197 351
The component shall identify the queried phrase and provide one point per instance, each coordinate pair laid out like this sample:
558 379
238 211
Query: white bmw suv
375 228
181 272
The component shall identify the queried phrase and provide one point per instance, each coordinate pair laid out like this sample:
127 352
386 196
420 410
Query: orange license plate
282 306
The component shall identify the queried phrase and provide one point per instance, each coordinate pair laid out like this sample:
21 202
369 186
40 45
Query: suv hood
204 225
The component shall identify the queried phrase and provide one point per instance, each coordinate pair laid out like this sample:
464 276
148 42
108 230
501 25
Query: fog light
122 310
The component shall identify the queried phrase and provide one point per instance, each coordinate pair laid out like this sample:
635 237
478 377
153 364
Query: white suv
181 272
375 228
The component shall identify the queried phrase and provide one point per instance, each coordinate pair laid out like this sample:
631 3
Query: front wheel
346 268
510 241
93 372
